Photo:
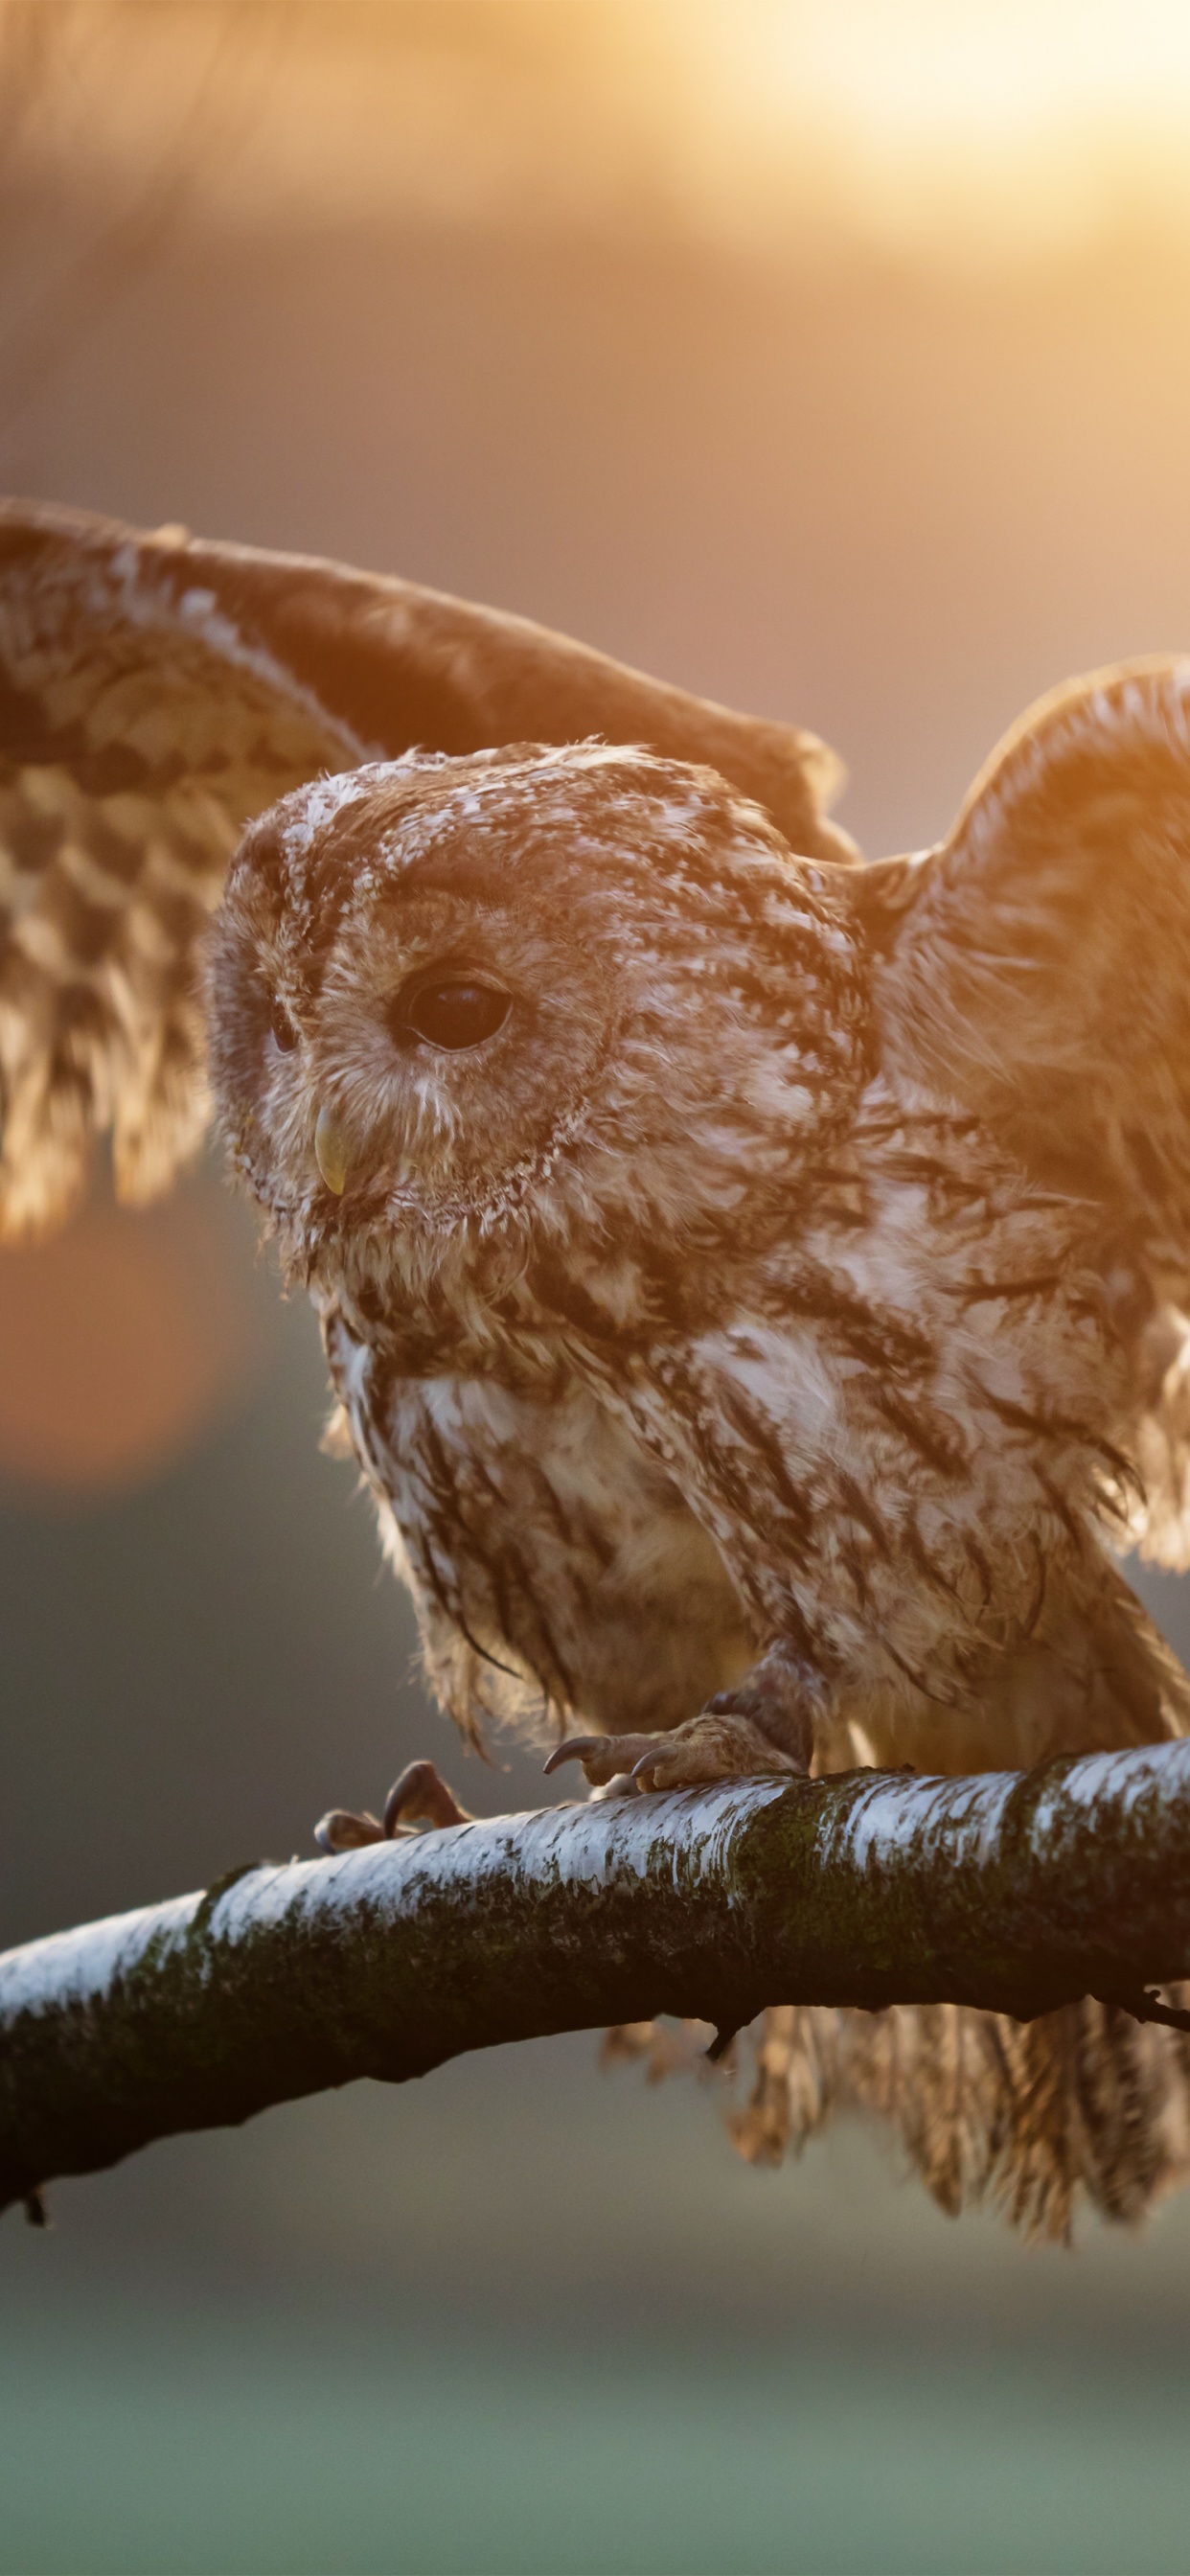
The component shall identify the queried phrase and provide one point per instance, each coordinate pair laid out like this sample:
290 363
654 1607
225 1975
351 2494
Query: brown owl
753 1283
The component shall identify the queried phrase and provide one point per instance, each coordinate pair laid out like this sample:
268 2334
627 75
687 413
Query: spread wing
157 693
140 728
1035 970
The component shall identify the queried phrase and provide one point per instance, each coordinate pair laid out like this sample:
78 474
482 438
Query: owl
753 1284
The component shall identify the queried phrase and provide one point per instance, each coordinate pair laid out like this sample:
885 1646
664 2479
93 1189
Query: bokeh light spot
122 1341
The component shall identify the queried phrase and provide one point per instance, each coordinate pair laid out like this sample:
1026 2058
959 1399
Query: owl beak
330 1152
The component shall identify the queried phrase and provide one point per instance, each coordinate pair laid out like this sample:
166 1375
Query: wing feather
155 695
1037 966
139 732
1035 972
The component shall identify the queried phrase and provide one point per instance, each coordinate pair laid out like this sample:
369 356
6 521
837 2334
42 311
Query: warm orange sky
954 130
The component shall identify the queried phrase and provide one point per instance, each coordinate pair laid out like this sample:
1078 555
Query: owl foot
719 1745
418 1798
716 1746
774 1702
765 1724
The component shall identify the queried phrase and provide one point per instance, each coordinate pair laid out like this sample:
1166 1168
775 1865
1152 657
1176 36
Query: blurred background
831 359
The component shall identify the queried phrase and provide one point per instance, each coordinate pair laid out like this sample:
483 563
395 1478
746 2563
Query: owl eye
281 1029
456 1013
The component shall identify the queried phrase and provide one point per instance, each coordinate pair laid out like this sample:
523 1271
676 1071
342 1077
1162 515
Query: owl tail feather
1083 2108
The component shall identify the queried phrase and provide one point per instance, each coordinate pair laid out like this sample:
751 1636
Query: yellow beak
330 1152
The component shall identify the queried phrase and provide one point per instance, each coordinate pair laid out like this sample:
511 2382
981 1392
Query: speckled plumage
675 1291
780 1308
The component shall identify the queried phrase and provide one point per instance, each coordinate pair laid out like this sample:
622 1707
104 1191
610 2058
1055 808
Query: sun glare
948 128
947 125
969 72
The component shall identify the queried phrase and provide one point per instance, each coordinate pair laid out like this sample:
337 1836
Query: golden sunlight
976 72
943 128
959 124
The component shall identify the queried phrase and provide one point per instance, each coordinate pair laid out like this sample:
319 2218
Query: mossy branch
1014 1891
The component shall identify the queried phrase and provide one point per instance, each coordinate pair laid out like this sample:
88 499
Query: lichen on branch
1017 1893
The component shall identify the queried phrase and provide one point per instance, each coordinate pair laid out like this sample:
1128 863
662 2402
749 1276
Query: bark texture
1017 1892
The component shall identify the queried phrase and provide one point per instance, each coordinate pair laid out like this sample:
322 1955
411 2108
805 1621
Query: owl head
491 1009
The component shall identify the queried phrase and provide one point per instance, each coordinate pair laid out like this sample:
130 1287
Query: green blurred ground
522 2320
166 2440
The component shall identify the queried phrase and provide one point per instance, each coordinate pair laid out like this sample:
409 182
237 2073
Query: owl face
451 1000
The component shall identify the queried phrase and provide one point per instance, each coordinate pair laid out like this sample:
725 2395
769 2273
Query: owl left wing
1034 972
156 693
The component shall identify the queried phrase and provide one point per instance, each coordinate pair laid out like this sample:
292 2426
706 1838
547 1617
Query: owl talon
577 1748
716 1746
419 1795
604 1757
422 1794
341 1830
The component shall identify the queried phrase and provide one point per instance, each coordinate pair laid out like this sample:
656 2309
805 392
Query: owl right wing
1034 973
157 693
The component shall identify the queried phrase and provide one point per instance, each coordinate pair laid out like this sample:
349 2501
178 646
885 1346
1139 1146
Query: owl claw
577 1748
604 1757
341 1830
719 1745
419 1793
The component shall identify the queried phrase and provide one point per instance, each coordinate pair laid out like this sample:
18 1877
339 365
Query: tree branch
1013 1891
